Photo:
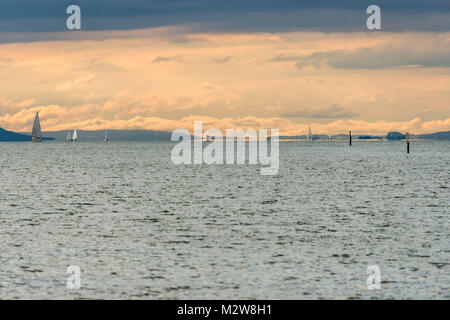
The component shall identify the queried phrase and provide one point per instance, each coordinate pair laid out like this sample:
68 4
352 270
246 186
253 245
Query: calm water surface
140 227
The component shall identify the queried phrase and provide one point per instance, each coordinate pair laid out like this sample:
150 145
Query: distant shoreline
154 135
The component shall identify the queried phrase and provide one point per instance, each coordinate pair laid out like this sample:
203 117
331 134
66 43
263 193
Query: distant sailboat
310 136
36 134
75 135
106 136
69 137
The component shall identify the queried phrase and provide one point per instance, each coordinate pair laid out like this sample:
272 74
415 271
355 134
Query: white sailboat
106 136
36 134
75 135
69 137
310 136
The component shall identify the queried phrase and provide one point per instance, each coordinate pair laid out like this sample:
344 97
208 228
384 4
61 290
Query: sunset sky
161 65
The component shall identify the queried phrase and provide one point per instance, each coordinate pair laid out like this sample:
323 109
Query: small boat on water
72 138
106 136
36 133
75 135
310 135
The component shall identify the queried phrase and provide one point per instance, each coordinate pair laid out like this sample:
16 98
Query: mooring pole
350 138
407 142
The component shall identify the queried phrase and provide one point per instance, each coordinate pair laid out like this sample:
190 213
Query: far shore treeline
152 135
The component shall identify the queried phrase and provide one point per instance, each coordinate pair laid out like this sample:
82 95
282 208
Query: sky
160 65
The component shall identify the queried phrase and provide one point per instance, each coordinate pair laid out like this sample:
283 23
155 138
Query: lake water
140 227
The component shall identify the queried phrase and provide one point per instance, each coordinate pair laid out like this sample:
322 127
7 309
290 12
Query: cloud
5 62
177 58
7 105
174 34
406 54
222 60
51 116
286 57
39 18
68 85
331 112
113 83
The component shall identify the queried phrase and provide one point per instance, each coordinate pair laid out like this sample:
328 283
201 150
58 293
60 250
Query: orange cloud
52 115
150 79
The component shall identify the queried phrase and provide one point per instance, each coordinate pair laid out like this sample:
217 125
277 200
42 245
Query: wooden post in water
350 138
407 142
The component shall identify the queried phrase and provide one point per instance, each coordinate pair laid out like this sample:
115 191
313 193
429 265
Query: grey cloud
46 16
178 58
379 58
247 123
5 61
222 60
98 64
331 112
286 57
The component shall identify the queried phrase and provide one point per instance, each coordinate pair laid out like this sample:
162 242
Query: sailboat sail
310 136
75 135
69 137
36 134
106 136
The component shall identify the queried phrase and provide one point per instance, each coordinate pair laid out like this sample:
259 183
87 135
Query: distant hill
395 136
9 136
305 137
113 135
368 137
340 137
392 136
334 137
153 135
445 135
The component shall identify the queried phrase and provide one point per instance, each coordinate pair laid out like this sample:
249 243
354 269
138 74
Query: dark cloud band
224 16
